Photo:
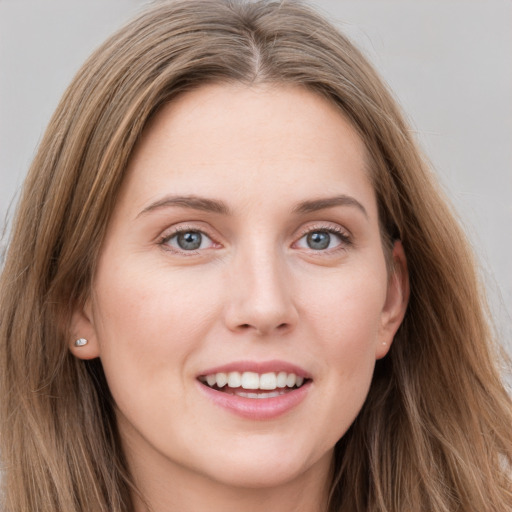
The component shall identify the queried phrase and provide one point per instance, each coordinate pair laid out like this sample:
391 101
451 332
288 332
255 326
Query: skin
255 290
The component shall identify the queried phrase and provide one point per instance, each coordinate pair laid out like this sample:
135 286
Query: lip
257 367
257 408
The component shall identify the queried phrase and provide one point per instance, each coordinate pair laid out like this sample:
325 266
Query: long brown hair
435 432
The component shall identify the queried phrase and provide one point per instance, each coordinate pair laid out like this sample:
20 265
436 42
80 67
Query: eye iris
318 240
189 240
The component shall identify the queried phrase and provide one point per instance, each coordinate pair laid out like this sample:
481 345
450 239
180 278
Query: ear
82 327
397 298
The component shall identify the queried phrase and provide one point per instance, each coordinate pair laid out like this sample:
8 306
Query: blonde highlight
434 433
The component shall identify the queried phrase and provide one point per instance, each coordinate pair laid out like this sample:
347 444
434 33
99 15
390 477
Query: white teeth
281 379
248 395
290 380
268 381
252 380
234 379
221 378
272 394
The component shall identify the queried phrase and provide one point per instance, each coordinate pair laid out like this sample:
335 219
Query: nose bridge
260 297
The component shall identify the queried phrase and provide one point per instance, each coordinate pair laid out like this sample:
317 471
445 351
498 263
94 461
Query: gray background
448 62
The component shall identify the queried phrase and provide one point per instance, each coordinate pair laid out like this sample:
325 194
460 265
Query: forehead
262 141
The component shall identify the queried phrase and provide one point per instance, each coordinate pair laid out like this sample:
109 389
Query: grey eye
189 241
318 240
322 240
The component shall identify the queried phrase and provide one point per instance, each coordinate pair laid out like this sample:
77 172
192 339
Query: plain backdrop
449 63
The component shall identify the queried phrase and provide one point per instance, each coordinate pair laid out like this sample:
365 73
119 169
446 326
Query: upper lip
258 367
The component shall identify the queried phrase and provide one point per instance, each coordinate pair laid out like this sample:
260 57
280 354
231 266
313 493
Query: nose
260 295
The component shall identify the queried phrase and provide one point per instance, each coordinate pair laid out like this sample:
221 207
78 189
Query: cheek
147 321
347 308
159 299
344 318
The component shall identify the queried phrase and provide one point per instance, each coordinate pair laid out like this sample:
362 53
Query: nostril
281 327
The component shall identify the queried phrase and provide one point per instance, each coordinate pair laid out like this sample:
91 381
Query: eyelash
345 239
342 234
163 241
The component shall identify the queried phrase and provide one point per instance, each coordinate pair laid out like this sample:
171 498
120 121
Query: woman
232 284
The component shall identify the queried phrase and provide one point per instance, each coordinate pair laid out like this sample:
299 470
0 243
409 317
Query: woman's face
244 247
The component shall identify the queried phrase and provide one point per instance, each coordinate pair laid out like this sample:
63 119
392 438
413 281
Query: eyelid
346 239
344 234
175 230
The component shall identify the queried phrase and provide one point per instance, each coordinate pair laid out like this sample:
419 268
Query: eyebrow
329 202
192 202
216 206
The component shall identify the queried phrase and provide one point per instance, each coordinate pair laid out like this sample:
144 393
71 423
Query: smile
256 391
252 384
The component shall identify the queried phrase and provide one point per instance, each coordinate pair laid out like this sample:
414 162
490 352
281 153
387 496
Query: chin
267 471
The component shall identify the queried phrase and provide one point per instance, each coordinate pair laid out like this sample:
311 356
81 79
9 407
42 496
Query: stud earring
80 342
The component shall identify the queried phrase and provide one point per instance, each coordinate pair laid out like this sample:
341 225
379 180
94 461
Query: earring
80 342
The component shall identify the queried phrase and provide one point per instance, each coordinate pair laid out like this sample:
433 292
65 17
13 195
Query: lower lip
257 408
